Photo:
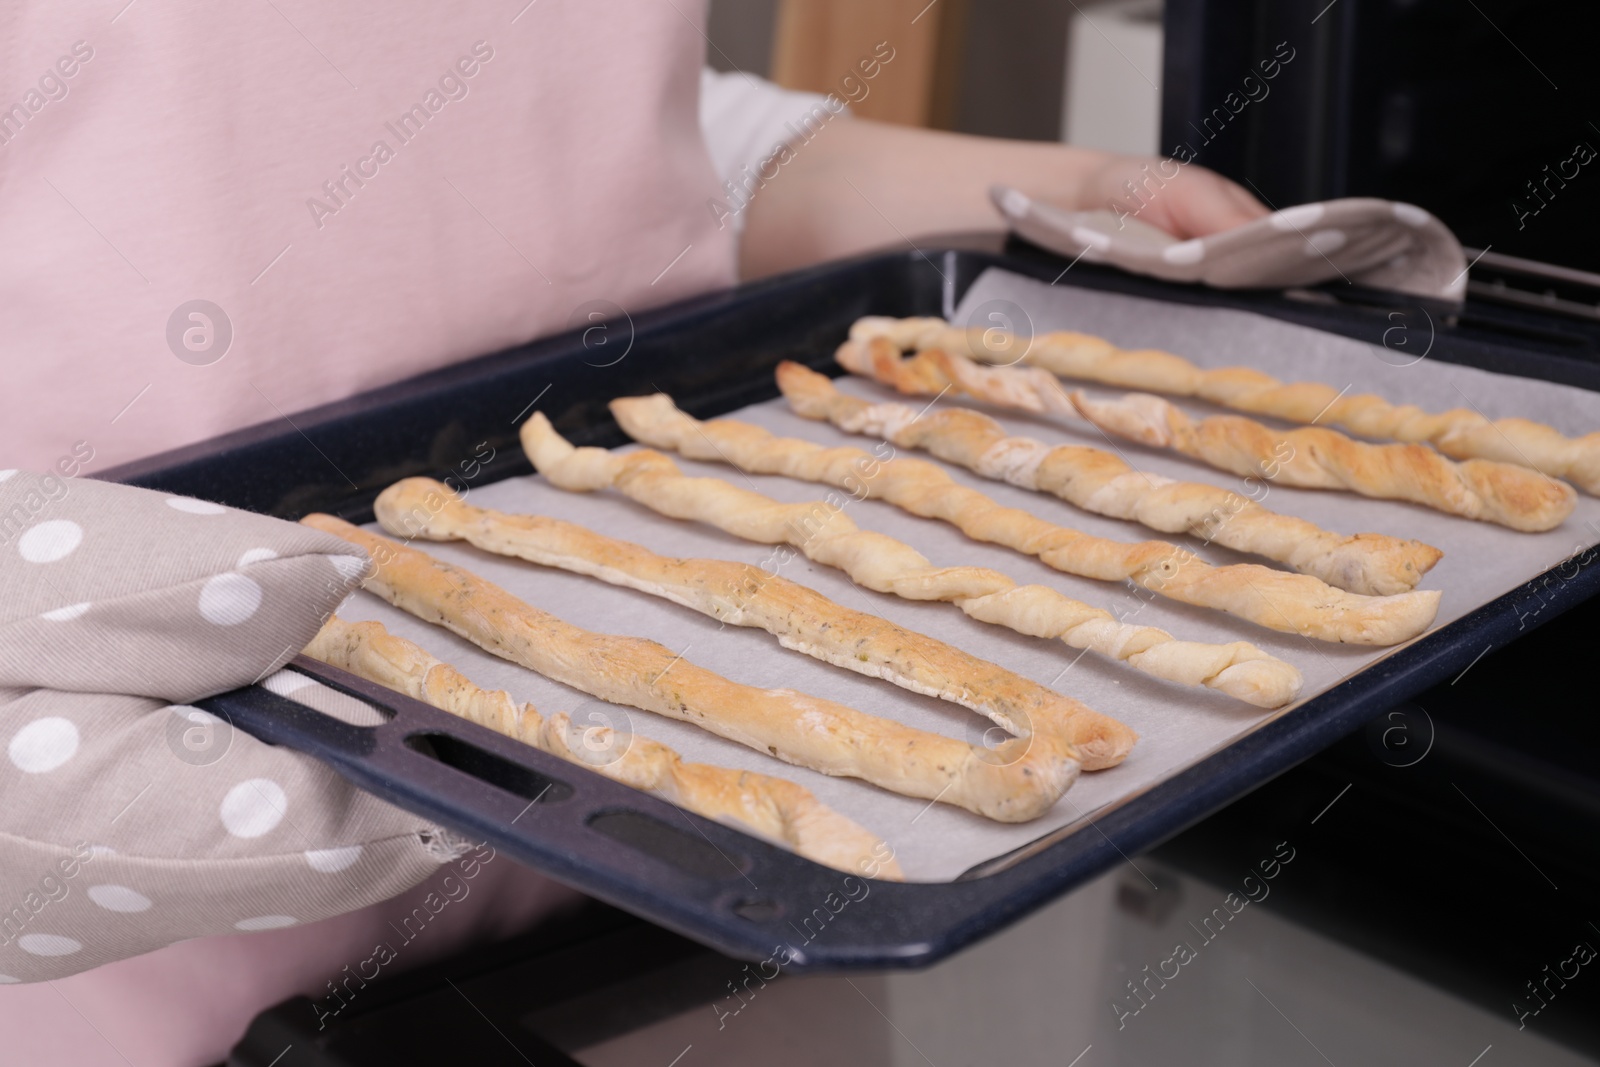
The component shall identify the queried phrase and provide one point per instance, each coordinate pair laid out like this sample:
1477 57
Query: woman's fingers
1193 202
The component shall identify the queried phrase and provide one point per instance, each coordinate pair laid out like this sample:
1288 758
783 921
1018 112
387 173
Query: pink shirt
366 191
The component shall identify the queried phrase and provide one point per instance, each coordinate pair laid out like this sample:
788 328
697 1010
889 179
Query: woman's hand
1194 202
859 185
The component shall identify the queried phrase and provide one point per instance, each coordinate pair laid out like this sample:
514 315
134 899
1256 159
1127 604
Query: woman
217 215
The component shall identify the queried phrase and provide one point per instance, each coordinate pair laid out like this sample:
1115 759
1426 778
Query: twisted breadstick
1239 669
1015 781
800 618
772 808
1459 433
824 533
1103 483
1311 457
1315 458
1290 603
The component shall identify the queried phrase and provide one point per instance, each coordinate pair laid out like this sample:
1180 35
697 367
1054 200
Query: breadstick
772 808
1104 483
1015 781
737 593
1459 433
1311 457
1239 669
1289 603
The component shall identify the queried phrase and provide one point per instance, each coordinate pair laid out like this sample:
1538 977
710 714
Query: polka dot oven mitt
1376 243
128 820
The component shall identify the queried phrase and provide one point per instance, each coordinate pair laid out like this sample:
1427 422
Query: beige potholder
1382 244
129 820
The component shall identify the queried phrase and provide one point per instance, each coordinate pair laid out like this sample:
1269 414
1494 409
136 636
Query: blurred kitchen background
1043 70
1477 110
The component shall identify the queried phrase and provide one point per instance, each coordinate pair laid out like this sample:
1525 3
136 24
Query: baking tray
716 354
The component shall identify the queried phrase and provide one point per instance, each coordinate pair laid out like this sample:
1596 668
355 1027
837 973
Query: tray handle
599 836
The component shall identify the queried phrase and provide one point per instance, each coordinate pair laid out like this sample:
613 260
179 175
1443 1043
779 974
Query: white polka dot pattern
48 944
1185 252
286 682
1411 214
229 599
253 808
159 821
1324 242
43 745
1292 219
119 898
1363 240
332 860
195 507
1093 240
49 541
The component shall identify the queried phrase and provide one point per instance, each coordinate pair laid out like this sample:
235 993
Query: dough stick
1015 781
1310 457
771 808
738 593
1239 669
1290 603
1459 433
1103 483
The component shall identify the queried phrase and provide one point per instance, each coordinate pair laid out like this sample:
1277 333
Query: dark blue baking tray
715 354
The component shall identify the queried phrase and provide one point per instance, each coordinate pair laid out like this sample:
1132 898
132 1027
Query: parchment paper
1178 725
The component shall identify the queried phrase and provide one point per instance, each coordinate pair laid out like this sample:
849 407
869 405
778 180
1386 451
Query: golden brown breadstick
1310 457
738 593
1459 433
772 808
1103 483
877 562
1238 668
1015 781
1290 603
